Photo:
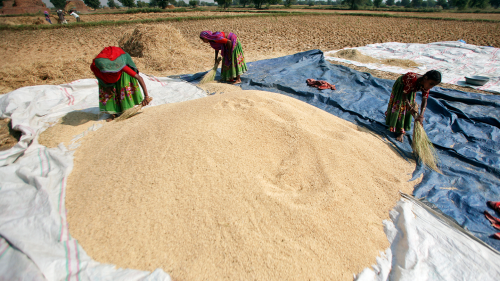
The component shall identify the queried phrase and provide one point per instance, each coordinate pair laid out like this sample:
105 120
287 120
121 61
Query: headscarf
46 13
108 64
215 36
212 36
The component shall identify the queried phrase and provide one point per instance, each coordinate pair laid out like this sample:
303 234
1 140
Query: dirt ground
37 57
63 55
100 16
108 17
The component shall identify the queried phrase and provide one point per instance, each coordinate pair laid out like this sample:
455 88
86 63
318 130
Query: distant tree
495 3
416 3
112 4
389 2
94 4
258 3
142 4
223 3
58 4
289 3
478 4
369 3
127 3
431 3
405 3
244 2
353 4
399 4
194 3
443 3
461 4
377 3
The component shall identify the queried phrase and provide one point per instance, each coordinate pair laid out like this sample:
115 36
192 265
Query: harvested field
110 17
63 55
247 185
479 16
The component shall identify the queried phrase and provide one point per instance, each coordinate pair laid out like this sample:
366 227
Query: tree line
352 4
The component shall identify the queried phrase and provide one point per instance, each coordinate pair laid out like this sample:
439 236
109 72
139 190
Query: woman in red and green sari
233 60
399 111
119 82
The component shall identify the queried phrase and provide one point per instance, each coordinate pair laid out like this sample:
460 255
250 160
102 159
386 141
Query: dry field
95 17
110 17
33 57
493 16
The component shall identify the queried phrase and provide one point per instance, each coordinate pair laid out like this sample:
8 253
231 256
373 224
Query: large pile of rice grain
241 185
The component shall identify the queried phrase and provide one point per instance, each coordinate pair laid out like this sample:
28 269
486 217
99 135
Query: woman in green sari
119 82
399 111
233 60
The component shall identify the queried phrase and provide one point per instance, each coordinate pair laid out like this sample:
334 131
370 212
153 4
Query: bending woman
118 77
233 60
399 111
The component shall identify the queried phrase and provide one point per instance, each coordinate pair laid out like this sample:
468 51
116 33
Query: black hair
433 75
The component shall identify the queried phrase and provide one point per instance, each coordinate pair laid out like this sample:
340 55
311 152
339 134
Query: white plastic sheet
454 59
425 245
35 243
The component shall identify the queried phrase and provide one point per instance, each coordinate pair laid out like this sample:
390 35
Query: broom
421 145
131 111
210 76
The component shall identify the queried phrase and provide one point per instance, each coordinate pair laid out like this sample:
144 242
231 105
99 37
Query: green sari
120 96
398 115
237 66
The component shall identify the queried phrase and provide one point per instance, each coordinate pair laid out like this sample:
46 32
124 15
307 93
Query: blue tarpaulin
464 128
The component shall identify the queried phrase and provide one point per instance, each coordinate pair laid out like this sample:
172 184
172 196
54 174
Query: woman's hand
420 119
146 100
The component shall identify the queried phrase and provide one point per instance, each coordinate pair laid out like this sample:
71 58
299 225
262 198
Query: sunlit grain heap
237 186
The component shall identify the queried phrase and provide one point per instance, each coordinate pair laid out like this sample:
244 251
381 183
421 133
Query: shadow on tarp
464 127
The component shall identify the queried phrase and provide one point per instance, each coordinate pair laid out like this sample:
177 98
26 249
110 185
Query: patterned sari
398 115
118 91
233 60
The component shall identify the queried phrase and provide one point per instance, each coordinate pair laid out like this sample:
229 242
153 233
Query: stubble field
54 56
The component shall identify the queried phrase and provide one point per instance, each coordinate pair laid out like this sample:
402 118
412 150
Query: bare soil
63 55
37 57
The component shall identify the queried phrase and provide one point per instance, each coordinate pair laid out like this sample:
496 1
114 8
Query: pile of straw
355 55
162 48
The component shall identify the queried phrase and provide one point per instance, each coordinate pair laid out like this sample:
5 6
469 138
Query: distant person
233 60
77 17
60 14
399 111
118 76
47 17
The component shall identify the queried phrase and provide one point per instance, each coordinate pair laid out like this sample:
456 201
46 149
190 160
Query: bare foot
237 81
400 137
111 118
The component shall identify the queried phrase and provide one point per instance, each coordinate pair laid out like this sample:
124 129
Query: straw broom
421 145
210 76
131 111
